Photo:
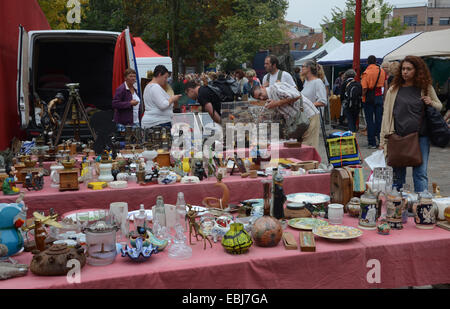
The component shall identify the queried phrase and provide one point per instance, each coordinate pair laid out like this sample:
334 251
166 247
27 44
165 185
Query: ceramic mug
335 213
425 216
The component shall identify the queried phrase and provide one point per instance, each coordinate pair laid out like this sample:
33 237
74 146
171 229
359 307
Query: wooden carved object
215 202
194 227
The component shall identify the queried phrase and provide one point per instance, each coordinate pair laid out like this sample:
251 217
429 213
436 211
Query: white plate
313 198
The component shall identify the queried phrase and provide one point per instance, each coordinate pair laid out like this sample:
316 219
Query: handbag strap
378 78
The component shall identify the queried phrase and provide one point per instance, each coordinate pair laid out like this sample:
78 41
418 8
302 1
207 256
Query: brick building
435 15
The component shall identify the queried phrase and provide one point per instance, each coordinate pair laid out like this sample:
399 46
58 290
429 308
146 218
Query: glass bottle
160 213
181 211
139 219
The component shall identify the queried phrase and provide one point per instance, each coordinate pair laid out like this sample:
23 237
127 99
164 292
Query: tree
371 28
56 12
254 25
106 15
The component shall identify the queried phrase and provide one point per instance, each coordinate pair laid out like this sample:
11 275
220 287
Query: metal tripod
77 107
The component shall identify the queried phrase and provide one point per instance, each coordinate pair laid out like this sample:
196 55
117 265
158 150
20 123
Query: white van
50 59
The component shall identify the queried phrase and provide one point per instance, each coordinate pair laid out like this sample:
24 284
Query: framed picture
240 164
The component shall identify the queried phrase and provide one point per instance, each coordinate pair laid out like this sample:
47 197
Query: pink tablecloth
240 189
409 257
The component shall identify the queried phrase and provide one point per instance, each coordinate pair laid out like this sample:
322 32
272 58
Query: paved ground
438 165
438 171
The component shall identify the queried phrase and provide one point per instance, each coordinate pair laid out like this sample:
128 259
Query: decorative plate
306 223
337 232
307 197
86 214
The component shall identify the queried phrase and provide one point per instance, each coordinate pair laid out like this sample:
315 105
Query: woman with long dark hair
404 114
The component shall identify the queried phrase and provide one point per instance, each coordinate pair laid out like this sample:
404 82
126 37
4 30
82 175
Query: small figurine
34 181
194 227
215 202
278 197
384 227
8 186
199 170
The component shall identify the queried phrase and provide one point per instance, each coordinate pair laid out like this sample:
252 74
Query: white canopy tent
434 43
325 49
379 48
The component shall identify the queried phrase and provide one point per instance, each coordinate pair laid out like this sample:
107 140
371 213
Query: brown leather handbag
403 151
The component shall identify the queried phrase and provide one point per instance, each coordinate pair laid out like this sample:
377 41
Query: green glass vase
237 240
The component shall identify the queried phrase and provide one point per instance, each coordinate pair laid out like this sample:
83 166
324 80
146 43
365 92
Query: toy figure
12 217
194 227
199 170
8 186
278 197
34 182
53 115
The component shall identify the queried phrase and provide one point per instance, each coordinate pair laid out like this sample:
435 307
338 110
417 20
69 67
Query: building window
430 20
314 45
296 46
304 47
410 20
444 21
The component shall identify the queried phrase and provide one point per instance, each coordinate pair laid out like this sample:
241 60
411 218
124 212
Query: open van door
132 58
23 97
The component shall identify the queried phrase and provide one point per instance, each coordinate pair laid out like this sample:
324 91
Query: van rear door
131 58
23 97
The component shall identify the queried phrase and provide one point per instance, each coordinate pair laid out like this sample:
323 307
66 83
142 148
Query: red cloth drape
120 62
12 14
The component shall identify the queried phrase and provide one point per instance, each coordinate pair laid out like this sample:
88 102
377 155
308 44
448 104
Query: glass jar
335 213
101 243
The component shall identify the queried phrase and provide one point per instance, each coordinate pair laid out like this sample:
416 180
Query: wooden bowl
30 163
68 164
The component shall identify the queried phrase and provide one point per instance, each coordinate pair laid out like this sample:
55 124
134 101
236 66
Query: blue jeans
374 115
420 176
352 116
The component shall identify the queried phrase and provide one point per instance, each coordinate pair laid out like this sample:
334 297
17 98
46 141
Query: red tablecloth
240 189
409 257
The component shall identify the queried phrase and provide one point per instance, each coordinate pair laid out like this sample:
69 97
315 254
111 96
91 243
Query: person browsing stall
209 100
158 103
283 97
271 64
372 82
126 101
404 114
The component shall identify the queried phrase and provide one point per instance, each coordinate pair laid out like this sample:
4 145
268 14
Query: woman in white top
158 104
314 89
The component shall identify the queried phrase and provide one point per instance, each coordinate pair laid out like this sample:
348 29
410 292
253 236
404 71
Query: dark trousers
352 117
374 115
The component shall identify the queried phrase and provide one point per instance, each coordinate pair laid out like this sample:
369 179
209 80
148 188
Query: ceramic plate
337 232
306 223
313 198
86 214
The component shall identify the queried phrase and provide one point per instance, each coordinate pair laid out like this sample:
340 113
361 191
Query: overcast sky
311 12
